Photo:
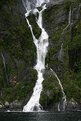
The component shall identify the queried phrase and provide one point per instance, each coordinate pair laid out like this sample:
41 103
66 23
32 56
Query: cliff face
64 53
18 53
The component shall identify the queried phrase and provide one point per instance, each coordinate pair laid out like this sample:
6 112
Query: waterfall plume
42 48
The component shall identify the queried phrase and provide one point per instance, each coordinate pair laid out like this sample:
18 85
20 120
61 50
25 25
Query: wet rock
1 106
7 104
16 105
72 105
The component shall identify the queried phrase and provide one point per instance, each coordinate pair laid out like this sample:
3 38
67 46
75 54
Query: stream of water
42 48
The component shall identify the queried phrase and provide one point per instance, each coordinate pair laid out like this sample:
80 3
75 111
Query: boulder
7 104
16 105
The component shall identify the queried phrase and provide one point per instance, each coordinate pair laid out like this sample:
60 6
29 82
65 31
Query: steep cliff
18 53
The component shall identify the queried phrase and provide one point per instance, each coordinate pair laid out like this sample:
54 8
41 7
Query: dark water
44 116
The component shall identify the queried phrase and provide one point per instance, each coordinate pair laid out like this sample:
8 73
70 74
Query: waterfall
59 107
5 67
60 57
42 48
40 2
62 90
69 21
61 53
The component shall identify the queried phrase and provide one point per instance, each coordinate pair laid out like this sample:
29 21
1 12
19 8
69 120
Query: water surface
44 116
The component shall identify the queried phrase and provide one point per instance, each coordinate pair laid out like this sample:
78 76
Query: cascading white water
42 48
60 58
63 93
40 2
5 68
69 21
61 53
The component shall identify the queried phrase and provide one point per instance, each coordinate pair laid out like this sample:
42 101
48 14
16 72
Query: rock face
32 3
53 2
7 104
20 54
15 105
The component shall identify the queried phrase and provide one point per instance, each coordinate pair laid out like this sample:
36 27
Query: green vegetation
69 71
19 52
